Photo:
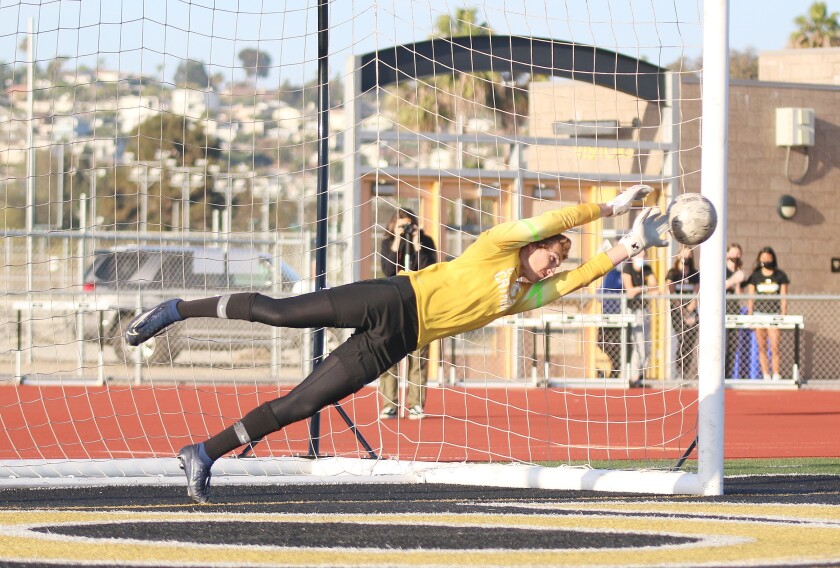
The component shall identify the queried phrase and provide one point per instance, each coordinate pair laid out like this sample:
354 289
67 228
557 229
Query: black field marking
326 498
352 535
385 509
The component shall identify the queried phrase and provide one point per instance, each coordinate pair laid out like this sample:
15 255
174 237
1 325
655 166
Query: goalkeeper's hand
650 229
622 202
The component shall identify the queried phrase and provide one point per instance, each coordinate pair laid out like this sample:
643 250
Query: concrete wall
816 66
570 101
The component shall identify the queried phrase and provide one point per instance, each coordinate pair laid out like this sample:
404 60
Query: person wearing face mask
684 279
735 278
767 279
638 281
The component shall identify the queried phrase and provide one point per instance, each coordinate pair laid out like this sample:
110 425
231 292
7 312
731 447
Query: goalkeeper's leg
336 307
387 312
308 310
355 363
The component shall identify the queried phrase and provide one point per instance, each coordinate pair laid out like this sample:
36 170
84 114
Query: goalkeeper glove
622 202
648 230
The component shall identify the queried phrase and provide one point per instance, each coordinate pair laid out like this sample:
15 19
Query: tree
255 62
191 73
217 80
742 64
440 102
173 136
817 29
686 65
8 74
159 137
464 22
54 68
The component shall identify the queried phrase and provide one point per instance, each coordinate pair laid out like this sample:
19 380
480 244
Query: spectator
684 280
767 279
406 247
639 280
734 285
609 338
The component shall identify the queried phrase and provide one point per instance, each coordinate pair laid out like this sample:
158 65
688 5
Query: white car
122 280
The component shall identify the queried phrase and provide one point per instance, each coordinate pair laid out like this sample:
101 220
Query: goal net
153 150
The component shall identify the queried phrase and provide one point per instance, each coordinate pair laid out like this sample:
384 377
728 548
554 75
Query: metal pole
94 175
715 94
59 221
80 333
144 200
352 182
30 174
227 222
322 197
185 201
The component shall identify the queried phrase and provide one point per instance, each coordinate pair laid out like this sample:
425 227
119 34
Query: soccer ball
692 218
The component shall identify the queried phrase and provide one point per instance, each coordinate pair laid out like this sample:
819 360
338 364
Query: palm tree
463 23
817 29
443 102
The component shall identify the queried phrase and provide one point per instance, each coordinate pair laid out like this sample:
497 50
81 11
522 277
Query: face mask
638 263
769 265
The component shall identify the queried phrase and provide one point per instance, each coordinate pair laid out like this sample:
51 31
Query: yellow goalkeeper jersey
484 283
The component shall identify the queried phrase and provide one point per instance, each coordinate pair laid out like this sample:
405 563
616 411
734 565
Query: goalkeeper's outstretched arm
516 234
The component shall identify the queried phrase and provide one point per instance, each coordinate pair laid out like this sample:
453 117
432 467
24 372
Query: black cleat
149 324
198 474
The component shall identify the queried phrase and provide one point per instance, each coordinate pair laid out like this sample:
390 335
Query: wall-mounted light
786 207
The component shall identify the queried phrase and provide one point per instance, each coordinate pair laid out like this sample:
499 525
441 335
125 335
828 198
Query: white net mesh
173 154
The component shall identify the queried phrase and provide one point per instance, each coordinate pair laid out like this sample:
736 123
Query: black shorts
384 315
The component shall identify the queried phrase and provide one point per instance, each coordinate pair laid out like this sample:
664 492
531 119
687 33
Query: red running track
479 424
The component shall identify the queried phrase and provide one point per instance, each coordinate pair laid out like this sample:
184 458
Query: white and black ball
692 218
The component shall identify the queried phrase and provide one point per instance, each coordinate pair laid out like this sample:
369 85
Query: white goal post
188 162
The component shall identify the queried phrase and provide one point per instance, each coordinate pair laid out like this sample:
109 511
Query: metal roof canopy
513 54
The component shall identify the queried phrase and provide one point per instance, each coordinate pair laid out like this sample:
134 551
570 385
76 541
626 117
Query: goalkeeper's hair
562 242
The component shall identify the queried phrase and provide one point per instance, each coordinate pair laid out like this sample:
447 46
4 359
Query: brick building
759 175
759 171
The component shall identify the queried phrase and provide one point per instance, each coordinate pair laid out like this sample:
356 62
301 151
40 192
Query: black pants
383 313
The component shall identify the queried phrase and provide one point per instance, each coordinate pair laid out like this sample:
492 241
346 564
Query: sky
152 37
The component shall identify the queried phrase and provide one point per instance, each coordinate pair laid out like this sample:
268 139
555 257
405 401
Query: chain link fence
57 323
65 301
571 341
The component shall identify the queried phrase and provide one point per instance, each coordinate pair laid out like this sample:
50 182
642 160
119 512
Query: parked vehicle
123 280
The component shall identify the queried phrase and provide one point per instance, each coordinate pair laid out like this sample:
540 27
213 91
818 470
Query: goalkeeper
511 268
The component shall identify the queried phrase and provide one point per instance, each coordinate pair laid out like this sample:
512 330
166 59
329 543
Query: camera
408 230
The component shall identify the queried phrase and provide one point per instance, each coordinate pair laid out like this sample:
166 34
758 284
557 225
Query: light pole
231 183
144 174
187 178
94 174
